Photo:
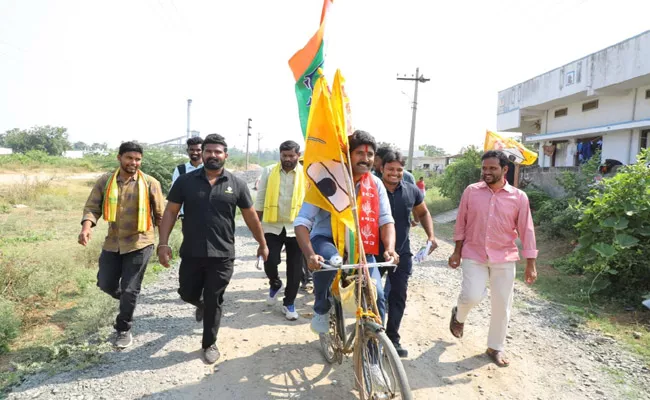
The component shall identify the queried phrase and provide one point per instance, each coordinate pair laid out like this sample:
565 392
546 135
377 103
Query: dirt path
266 357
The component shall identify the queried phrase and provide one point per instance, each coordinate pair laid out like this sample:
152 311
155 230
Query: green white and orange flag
305 66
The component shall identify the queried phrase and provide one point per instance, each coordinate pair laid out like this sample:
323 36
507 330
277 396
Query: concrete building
601 101
437 163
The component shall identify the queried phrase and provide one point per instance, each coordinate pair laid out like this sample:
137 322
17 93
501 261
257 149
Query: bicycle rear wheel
383 374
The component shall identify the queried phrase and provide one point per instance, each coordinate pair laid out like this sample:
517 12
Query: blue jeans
324 247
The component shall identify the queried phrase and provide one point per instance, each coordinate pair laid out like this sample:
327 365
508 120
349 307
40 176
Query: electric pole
418 78
259 139
248 135
189 103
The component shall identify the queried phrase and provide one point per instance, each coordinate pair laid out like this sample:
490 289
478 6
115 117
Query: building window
562 112
590 105
644 139
647 94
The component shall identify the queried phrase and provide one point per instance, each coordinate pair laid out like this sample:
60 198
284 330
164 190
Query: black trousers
306 272
210 277
396 288
120 275
294 264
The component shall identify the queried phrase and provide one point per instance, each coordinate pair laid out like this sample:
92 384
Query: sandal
499 357
455 327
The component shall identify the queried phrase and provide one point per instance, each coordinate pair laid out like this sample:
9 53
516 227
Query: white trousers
502 280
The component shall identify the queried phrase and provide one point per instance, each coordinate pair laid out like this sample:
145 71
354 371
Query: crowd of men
204 196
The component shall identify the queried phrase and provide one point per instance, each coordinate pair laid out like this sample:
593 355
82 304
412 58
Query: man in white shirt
196 162
279 198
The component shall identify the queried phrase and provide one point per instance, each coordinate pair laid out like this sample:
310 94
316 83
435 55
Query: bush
557 218
160 164
461 173
615 232
9 324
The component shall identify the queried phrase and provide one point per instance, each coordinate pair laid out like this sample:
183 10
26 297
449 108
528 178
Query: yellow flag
516 152
341 107
327 175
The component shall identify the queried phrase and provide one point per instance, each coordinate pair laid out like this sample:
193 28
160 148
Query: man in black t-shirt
209 197
405 198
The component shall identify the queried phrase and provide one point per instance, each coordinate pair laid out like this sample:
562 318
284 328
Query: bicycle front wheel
383 374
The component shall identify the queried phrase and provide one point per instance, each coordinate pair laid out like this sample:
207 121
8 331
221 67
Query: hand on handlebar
313 263
391 256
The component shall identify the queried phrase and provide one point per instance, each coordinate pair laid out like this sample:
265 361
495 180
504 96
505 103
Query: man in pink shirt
491 215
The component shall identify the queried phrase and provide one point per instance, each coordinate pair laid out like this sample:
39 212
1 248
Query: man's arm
261 194
302 225
459 230
422 213
157 202
92 211
526 230
164 251
253 223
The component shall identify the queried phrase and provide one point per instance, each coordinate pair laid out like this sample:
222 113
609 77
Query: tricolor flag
305 66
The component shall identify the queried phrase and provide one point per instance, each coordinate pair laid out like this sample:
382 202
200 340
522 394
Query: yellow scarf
111 197
273 194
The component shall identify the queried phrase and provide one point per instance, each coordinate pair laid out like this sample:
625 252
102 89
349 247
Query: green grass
50 305
436 203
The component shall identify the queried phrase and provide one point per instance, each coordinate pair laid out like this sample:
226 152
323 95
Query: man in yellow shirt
279 197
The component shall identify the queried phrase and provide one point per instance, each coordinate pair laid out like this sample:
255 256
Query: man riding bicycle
313 229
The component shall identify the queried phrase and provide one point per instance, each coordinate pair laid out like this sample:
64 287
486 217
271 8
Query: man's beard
213 164
195 157
289 164
129 169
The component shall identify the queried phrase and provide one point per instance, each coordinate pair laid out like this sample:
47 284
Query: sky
124 69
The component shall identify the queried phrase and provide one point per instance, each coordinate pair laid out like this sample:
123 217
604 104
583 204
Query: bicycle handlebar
325 266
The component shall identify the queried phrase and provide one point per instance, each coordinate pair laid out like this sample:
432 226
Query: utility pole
248 135
189 103
259 139
418 78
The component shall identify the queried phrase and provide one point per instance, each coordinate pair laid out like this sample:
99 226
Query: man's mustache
363 163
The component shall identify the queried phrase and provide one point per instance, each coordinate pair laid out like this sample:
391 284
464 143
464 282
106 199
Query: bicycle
378 371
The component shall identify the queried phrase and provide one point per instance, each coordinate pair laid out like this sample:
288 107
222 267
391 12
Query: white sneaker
273 296
320 323
290 312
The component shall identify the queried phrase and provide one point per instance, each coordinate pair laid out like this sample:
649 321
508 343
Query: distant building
5 151
437 163
73 154
598 102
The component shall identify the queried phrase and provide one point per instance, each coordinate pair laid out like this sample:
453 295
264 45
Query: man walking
132 204
313 228
210 196
196 162
491 215
405 198
279 197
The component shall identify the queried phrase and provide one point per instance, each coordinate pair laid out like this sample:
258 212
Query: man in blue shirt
379 162
313 229
405 198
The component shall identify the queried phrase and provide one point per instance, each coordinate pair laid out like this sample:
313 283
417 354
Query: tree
50 139
80 146
99 146
386 144
431 150
461 173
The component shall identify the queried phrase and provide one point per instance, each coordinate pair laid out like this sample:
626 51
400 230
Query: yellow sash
272 197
